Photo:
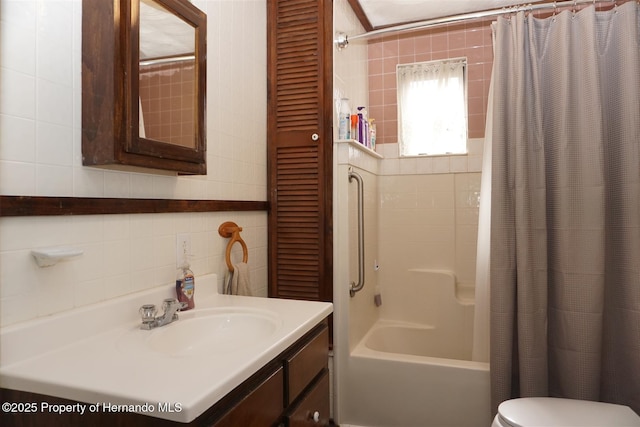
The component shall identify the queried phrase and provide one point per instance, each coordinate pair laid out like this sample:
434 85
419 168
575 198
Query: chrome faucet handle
169 304
148 313
171 307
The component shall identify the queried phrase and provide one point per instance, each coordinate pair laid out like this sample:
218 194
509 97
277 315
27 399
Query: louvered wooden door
300 149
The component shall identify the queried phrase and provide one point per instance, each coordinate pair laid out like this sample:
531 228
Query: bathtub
408 374
413 340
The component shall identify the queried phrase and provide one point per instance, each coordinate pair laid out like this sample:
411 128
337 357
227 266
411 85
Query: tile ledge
360 147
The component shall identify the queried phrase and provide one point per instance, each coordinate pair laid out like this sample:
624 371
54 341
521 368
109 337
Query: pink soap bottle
185 286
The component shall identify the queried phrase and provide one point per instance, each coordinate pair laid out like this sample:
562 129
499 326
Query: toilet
556 412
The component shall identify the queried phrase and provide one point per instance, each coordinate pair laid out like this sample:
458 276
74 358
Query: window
432 107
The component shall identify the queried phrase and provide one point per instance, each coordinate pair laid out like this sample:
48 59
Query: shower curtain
565 210
481 319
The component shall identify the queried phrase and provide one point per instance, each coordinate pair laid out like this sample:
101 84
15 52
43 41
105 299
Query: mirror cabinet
143 85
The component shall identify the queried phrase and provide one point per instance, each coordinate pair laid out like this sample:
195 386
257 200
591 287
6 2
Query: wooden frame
110 90
51 206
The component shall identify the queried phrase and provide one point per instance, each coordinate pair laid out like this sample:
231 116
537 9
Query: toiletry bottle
367 135
185 285
372 133
354 126
344 115
362 127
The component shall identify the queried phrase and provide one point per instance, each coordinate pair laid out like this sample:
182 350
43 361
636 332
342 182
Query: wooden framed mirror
143 85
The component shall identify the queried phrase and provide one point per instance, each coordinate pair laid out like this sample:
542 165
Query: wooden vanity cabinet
286 392
297 380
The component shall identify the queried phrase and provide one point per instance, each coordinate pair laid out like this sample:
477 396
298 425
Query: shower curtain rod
342 40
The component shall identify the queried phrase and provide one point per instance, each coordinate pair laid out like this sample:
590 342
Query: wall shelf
361 147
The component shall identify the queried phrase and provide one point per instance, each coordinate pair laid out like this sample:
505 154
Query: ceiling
384 13
162 33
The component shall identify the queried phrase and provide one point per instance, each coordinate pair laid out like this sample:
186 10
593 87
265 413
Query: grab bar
353 288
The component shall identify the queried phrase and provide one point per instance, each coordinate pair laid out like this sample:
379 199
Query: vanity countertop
98 354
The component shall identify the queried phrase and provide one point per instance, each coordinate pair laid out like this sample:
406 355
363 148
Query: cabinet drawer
303 366
314 404
262 407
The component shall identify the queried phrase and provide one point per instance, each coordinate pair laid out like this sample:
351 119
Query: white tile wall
40 155
40 108
394 164
350 65
350 80
122 254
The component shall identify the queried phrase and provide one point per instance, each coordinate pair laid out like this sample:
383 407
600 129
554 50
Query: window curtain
565 210
432 92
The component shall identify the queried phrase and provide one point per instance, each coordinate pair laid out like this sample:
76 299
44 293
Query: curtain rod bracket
341 41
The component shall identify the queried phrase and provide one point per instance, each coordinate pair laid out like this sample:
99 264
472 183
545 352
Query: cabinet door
300 154
314 408
262 407
305 364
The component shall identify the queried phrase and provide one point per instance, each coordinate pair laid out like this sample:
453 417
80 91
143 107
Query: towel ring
231 230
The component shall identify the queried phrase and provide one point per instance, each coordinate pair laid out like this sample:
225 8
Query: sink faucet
170 307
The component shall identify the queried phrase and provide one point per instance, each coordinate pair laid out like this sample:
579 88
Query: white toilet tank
556 412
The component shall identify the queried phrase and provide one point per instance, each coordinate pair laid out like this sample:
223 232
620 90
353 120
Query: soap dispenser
185 285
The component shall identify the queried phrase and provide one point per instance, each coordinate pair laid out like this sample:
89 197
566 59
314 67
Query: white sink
217 346
204 332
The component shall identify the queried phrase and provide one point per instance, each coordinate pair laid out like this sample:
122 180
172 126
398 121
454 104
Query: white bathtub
407 374
414 340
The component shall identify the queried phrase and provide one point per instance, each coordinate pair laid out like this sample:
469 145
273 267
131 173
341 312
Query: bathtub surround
426 208
429 213
412 219
40 155
565 278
